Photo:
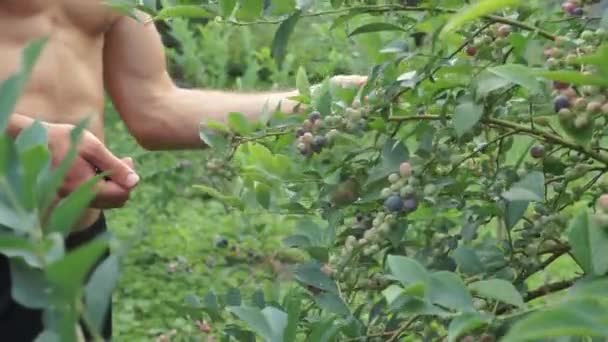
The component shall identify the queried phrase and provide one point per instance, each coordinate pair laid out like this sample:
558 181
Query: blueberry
537 151
394 203
410 204
314 116
561 102
471 51
300 132
318 143
578 11
221 242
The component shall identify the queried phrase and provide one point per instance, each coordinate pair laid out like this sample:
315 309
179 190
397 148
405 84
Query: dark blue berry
314 116
561 102
318 143
394 203
537 151
410 204
221 243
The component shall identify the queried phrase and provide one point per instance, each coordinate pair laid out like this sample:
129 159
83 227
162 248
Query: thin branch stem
548 289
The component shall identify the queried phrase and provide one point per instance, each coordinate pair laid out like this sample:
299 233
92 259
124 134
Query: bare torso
67 82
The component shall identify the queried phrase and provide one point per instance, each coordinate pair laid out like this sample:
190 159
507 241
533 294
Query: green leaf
239 124
230 200
33 135
281 38
184 11
227 7
255 320
324 331
332 303
70 209
375 27
67 275
530 188
13 246
48 336
448 290
407 270
466 116
514 211
465 323
498 289
321 99
310 274
302 82
214 138
474 11
249 10
28 285
98 290
293 306
467 260
588 241
583 318
518 74
262 194
277 320
394 152
573 77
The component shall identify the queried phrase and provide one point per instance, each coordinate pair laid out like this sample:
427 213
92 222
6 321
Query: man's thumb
119 171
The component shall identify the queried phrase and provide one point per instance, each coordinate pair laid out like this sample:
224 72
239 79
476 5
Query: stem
517 128
548 289
402 8
395 335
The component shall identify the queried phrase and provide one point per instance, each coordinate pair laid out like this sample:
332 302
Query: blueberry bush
432 203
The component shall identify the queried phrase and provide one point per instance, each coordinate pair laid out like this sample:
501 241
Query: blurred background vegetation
181 242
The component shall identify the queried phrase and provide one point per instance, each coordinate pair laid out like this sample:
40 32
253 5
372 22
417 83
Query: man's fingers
119 171
110 195
129 162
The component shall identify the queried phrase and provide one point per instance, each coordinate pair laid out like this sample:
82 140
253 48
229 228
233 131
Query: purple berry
314 116
578 11
537 151
394 203
561 102
410 204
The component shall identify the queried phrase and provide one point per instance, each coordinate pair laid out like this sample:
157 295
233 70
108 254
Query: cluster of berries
564 51
317 132
401 195
219 168
495 39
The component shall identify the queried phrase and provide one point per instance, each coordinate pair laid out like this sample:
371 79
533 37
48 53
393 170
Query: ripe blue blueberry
318 143
561 102
314 116
394 203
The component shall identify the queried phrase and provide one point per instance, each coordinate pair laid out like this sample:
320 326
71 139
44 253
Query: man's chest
89 16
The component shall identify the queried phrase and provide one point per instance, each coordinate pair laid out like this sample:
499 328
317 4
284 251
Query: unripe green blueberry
587 35
369 234
351 240
353 114
581 121
394 178
565 115
395 187
377 222
386 192
552 62
604 108
332 135
307 125
600 32
590 90
362 242
430 189
318 125
503 30
384 228
303 148
389 218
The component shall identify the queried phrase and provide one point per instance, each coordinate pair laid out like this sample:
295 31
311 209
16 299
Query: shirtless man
92 49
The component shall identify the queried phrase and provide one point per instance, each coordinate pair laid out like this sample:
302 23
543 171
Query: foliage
429 199
426 203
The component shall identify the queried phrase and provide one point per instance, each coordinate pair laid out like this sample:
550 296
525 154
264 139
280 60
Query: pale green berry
386 192
393 178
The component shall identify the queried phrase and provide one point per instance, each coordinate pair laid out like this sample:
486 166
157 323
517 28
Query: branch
517 128
402 8
548 289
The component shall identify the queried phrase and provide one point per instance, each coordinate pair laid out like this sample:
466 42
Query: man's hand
92 157
348 81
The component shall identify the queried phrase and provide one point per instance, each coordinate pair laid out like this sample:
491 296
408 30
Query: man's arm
159 114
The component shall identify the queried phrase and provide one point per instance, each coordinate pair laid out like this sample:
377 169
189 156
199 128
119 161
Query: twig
548 289
401 329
